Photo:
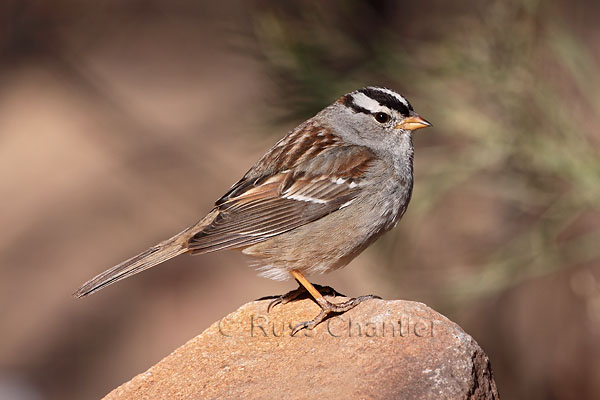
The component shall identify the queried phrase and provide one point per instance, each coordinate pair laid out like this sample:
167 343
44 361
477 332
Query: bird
314 201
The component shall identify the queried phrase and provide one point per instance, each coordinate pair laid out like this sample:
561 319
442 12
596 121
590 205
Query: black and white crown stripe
369 100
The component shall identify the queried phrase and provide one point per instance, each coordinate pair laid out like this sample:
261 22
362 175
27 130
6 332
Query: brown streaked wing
298 147
269 206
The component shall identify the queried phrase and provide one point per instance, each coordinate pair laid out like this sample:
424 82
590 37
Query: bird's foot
300 293
328 308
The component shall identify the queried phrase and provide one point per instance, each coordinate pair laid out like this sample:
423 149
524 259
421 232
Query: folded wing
260 207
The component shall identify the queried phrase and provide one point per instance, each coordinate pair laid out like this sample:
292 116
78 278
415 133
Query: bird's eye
382 117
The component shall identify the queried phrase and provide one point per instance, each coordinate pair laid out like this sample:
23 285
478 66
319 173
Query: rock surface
379 350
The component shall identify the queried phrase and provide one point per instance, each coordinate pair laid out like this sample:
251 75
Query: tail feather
155 255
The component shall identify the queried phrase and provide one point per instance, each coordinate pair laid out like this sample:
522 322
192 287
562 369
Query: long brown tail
154 255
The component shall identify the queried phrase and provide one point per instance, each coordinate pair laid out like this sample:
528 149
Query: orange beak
412 123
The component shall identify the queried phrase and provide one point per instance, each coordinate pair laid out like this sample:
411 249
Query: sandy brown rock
379 350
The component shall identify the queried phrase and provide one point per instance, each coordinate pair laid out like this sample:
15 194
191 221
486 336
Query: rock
379 350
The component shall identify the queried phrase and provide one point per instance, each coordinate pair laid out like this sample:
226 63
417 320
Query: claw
273 304
301 292
310 324
286 298
328 308
299 327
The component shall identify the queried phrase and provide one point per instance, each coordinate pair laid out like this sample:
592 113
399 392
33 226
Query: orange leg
307 285
327 307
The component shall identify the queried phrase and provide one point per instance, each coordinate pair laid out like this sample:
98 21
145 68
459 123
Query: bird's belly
330 242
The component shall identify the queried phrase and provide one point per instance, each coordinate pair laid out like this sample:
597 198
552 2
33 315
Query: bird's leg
301 292
286 298
327 307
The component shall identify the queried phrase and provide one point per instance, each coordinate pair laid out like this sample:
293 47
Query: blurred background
122 122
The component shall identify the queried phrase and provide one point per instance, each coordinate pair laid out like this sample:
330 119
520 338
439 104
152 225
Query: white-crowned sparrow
313 202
